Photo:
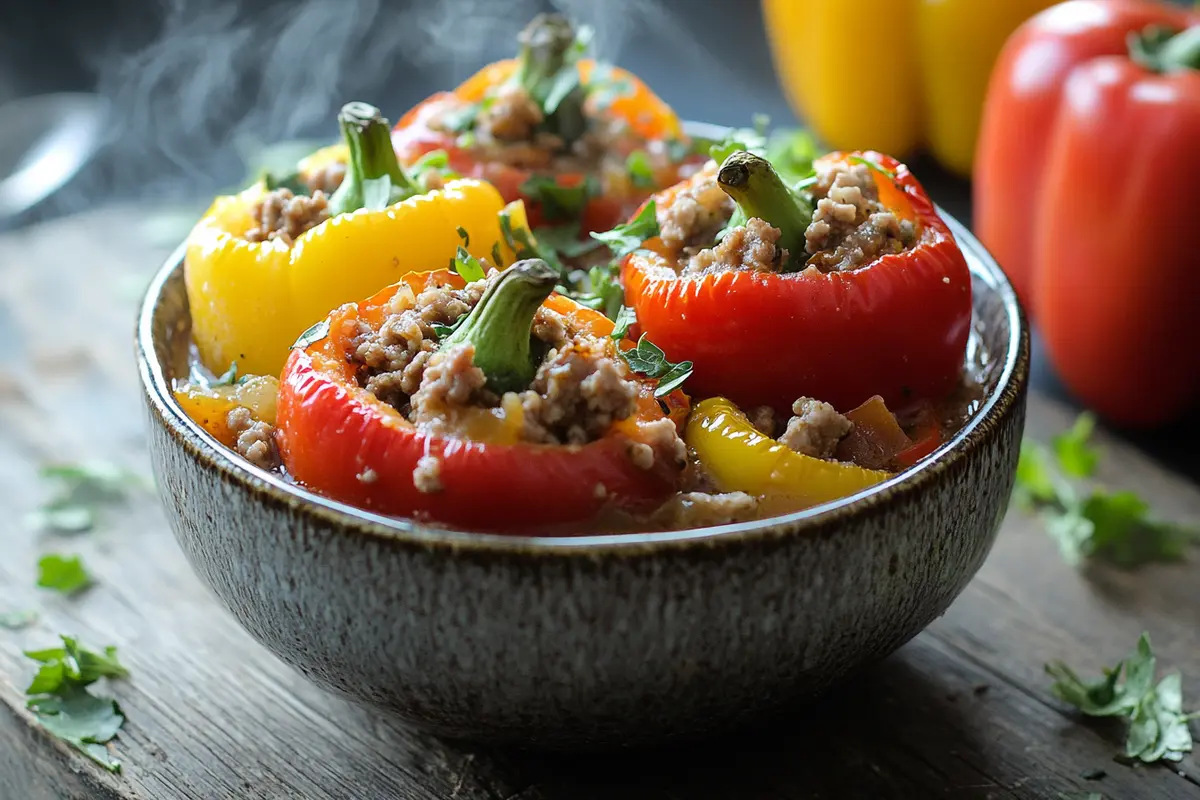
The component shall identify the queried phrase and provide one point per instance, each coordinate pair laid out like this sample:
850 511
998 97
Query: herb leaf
875 165
524 246
467 266
560 202
442 331
564 239
312 335
460 119
604 87
81 488
1075 455
625 317
64 574
226 378
648 359
641 171
624 239
16 620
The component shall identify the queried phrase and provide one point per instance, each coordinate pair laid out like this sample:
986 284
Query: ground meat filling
511 116
815 429
700 509
255 439
695 217
326 179
850 227
748 247
283 215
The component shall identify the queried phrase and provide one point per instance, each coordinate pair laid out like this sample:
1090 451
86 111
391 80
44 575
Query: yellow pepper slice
740 458
888 75
250 300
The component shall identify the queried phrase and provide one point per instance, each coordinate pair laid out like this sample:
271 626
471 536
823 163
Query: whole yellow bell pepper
890 75
740 458
250 300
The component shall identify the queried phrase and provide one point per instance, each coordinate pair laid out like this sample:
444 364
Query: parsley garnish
314 334
467 266
603 88
875 165
564 240
1114 526
560 202
82 488
625 317
16 620
228 377
460 119
1158 726
641 172
59 698
64 574
624 239
291 181
792 153
523 245
649 360
441 331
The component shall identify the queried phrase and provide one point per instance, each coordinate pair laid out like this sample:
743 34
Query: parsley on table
62 704
648 359
1158 727
560 202
81 489
624 239
1115 526
16 620
64 574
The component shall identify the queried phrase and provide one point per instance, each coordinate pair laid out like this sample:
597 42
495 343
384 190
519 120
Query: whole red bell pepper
549 58
896 326
340 440
1084 192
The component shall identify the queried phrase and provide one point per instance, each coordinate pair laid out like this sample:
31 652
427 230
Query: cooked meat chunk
283 215
815 429
512 116
763 419
450 381
750 246
579 391
427 477
255 439
850 226
699 509
696 215
326 179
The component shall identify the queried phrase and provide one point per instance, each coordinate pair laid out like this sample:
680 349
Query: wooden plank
211 714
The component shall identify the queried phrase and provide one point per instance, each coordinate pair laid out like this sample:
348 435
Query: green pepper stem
500 326
547 70
759 192
1182 51
1163 50
368 138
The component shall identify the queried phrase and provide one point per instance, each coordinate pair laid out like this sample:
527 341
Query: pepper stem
547 70
1163 50
501 324
759 192
374 178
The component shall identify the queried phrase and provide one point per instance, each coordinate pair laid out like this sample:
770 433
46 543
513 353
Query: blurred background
167 102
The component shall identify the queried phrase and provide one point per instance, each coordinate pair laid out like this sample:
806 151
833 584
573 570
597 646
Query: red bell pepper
340 440
896 326
1084 193
549 56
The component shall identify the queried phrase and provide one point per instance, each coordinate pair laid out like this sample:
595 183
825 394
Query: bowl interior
997 357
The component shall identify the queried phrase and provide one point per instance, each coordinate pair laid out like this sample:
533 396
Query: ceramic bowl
593 641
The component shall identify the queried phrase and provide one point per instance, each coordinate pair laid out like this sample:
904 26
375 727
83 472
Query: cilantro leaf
442 331
792 153
648 359
564 239
1075 455
64 574
81 489
625 317
459 120
226 378
523 245
641 171
624 239
1036 482
560 202
598 288
604 87
875 165
312 335
16 620
467 266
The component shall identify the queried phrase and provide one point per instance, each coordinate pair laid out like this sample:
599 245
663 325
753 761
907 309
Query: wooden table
962 711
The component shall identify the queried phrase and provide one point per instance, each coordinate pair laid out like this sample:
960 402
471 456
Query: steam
219 81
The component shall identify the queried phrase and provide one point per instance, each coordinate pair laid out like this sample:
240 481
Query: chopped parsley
598 288
875 165
292 181
63 574
625 318
604 87
226 378
460 120
564 240
640 170
16 620
467 266
81 489
1113 526
624 239
560 203
60 700
312 335
524 246
648 359
1158 727
441 331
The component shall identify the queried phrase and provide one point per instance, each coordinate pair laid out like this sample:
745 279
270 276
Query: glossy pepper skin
739 458
645 112
896 327
331 432
912 73
1082 194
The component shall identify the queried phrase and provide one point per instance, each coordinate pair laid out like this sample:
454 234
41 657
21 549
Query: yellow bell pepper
740 458
890 75
251 300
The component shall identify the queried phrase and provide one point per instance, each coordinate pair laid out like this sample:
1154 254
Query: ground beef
283 215
850 227
699 509
255 439
580 390
450 381
326 179
750 246
763 419
512 116
427 477
816 428
693 219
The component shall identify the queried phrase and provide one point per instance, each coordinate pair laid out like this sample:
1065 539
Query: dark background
195 90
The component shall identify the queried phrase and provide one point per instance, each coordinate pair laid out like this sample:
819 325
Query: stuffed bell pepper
842 286
263 265
490 405
582 143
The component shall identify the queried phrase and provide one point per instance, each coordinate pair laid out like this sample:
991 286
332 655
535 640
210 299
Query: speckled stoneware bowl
596 641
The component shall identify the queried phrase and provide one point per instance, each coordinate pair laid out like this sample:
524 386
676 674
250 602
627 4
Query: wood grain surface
963 711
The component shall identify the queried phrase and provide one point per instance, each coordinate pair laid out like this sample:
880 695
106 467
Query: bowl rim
200 445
